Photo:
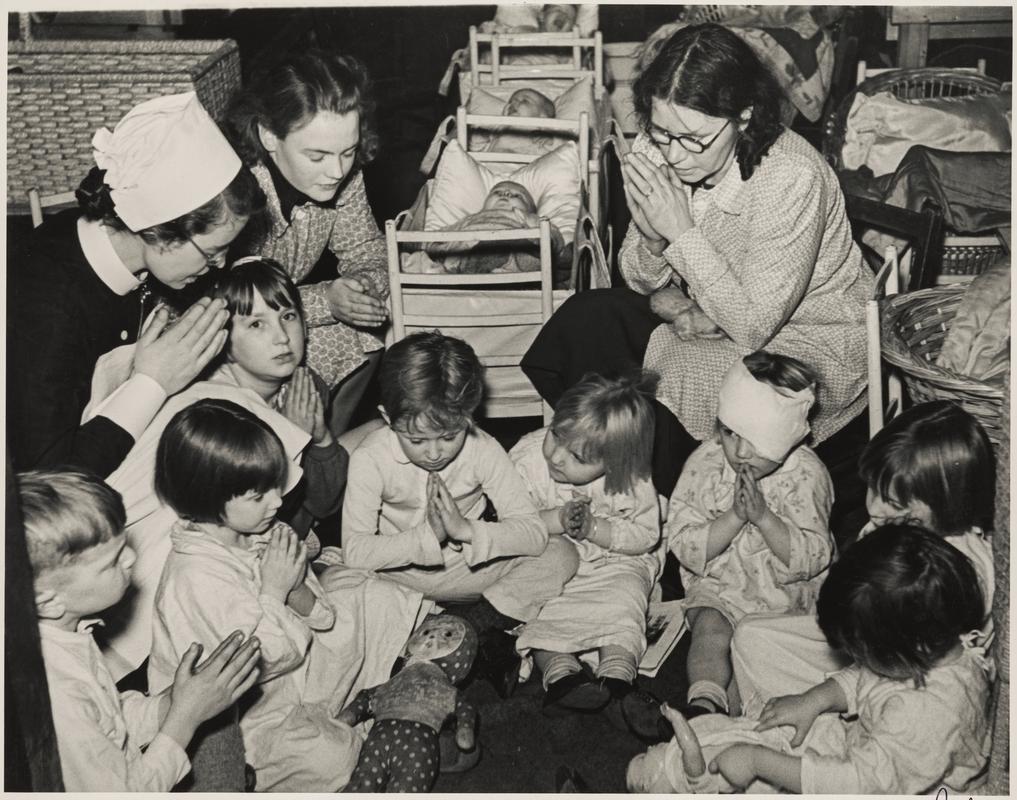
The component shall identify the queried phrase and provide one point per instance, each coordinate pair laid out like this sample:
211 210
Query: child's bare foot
687 741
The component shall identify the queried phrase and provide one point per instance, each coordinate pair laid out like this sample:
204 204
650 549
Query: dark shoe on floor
641 711
579 691
451 758
568 781
498 662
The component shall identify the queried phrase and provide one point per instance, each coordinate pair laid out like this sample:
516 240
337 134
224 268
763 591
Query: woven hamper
912 328
60 92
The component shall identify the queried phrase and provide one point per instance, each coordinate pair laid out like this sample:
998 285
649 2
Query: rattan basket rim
896 352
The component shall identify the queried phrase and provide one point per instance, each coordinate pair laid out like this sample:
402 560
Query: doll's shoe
452 759
579 691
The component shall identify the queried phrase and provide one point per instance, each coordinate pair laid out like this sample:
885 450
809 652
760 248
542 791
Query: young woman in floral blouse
304 127
739 240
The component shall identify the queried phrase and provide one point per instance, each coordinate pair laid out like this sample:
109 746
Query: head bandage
771 418
164 159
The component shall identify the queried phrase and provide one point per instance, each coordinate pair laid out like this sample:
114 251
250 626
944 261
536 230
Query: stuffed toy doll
401 753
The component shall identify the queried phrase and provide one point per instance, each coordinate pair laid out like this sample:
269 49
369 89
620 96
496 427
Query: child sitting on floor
932 466
588 472
74 530
748 520
508 206
905 607
416 497
222 470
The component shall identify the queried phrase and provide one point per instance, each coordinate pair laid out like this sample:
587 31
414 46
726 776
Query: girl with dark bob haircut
708 68
249 277
898 602
304 124
936 454
211 452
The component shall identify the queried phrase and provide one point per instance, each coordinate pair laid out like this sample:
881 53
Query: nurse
167 196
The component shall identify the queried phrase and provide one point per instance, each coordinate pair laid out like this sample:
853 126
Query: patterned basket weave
912 327
60 92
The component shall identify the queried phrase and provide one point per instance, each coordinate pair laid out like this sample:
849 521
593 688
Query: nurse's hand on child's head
173 354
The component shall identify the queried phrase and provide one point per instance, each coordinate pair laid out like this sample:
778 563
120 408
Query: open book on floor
665 626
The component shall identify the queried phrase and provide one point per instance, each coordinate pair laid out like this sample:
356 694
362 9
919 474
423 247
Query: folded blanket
978 342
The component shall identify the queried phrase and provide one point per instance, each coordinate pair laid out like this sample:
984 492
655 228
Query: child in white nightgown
588 472
933 465
233 566
905 607
748 520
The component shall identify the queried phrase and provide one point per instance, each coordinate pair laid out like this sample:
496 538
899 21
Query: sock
559 666
708 690
484 617
616 662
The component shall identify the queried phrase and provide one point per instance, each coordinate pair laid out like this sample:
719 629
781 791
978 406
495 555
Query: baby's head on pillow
529 103
557 18
510 196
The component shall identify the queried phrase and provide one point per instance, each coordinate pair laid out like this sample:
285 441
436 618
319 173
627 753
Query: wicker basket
60 92
912 328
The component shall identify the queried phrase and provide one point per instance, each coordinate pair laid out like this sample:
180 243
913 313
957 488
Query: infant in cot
508 206
529 103
551 18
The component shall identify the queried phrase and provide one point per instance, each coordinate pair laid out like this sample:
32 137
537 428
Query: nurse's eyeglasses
663 139
212 261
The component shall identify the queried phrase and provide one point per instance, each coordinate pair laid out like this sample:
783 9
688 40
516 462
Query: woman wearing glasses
304 126
738 241
167 196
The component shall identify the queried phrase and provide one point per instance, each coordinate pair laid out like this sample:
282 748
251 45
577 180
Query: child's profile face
885 511
566 464
94 579
740 452
252 512
510 196
268 343
429 448
529 103
557 18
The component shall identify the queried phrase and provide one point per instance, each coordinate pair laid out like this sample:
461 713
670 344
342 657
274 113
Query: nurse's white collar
103 259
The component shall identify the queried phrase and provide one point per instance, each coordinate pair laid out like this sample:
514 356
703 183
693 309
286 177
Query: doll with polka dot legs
401 753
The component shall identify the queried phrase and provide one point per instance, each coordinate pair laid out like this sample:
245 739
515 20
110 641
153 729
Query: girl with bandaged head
748 520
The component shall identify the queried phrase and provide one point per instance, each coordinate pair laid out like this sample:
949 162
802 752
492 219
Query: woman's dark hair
938 454
211 452
431 378
241 198
286 94
709 69
237 285
898 600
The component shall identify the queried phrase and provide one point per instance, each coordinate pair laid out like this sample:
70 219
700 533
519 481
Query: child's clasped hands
443 515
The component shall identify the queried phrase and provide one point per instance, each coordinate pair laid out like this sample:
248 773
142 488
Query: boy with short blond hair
74 530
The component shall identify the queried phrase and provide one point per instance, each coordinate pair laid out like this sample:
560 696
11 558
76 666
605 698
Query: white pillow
881 129
461 185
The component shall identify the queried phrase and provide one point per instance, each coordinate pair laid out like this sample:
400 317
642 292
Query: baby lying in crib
552 18
509 205
529 103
